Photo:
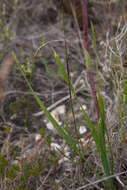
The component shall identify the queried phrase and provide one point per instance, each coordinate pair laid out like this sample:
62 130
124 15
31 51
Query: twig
57 103
50 171
100 180
86 48
30 93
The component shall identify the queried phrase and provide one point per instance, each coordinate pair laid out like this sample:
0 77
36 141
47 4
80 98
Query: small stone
82 130
55 146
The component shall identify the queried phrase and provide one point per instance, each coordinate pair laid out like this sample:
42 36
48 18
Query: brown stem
85 24
90 74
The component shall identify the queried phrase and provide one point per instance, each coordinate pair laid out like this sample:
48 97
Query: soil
30 25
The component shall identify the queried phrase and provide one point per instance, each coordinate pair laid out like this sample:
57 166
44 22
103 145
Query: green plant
97 134
99 131
3 165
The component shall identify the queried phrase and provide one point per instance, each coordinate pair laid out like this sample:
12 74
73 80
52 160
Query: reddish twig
90 73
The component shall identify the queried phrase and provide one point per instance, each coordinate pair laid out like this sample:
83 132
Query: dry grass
26 163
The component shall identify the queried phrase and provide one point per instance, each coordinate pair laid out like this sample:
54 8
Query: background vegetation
51 136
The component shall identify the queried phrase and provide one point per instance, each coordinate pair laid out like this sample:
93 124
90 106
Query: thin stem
86 47
85 24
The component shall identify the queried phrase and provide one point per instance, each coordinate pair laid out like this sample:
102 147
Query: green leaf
61 67
48 141
94 39
12 173
3 165
60 131
88 60
42 132
7 129
101 105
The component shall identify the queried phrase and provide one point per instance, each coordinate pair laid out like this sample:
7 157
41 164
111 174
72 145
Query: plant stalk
86 47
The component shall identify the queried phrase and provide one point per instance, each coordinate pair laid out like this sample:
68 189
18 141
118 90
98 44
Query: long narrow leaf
61 132
101 105
61 67
65 77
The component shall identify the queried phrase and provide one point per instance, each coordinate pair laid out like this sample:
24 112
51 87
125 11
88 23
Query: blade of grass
60 131
61 67
102 143
65 77
98 135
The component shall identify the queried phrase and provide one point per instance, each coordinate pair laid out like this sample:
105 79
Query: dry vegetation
32 154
